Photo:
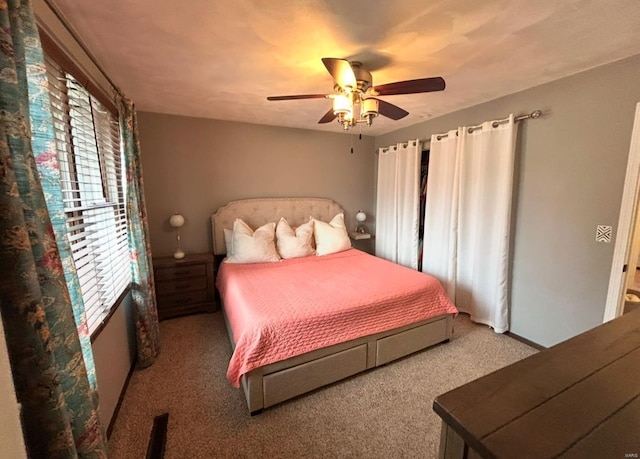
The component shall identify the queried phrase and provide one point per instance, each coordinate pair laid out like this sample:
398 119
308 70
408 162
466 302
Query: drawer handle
182 286
182 273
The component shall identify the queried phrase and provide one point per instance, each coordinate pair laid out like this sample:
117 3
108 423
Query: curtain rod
404 145
533 115
66 25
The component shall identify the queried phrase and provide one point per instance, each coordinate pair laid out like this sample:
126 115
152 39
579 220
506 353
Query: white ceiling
221 59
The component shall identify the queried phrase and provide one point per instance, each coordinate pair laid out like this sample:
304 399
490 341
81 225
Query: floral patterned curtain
59 404
142 290
48 168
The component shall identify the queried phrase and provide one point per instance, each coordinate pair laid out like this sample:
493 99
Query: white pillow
294 244
331 237
228 241
250 246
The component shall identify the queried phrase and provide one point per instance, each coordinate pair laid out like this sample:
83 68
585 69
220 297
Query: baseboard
525 341
121 398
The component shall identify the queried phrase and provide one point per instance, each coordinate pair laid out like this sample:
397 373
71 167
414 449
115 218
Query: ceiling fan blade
391 111
411 86
341 71
328 117
300 96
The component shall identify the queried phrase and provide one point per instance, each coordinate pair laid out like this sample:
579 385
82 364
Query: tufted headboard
257 212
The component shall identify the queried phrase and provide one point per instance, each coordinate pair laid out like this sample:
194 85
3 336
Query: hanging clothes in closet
424 175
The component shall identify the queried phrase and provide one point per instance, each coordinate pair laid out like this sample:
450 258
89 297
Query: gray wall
572 166
193 166
114 352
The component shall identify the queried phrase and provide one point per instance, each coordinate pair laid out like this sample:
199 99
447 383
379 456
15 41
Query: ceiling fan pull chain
351 144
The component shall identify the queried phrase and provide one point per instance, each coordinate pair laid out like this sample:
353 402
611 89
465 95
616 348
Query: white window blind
93 188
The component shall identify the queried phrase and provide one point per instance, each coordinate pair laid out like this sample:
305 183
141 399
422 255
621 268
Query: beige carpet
384 413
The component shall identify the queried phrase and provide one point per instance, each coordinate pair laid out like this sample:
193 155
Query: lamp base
178 254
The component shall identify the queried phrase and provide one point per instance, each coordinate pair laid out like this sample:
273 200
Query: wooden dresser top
580 398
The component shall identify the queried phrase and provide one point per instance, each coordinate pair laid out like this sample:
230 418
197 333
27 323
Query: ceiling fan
354 88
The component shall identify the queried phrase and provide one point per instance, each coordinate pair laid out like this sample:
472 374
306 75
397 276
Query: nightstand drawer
182 285
179 272
182 299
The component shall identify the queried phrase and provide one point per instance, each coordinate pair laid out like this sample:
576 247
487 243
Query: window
93 188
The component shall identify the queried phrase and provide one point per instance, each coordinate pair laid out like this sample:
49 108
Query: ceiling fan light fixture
342 105
346 121
369 107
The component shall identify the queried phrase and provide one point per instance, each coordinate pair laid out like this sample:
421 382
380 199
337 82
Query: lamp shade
369 107
361 216
176 220
342 105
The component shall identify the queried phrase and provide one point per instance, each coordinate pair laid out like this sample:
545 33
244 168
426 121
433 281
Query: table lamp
177 220
361 217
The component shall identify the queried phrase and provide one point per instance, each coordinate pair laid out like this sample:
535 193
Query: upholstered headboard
257 212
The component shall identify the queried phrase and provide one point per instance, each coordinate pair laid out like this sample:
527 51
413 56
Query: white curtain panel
397 211
386 205
484 216
441 211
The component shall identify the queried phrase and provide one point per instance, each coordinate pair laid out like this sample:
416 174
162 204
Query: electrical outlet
603 233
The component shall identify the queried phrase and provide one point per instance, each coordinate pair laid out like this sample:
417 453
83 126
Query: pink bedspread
280 310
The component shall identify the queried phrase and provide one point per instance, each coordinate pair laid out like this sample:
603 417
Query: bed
356 323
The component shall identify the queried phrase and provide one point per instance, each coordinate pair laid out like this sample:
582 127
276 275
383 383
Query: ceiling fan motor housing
363 77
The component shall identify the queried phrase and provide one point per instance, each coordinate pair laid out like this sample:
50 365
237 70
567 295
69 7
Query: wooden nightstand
362 241
357 236
184 286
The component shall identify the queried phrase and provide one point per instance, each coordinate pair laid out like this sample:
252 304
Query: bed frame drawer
407 342
303 378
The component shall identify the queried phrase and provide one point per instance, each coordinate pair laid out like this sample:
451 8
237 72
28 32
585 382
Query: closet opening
424 173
